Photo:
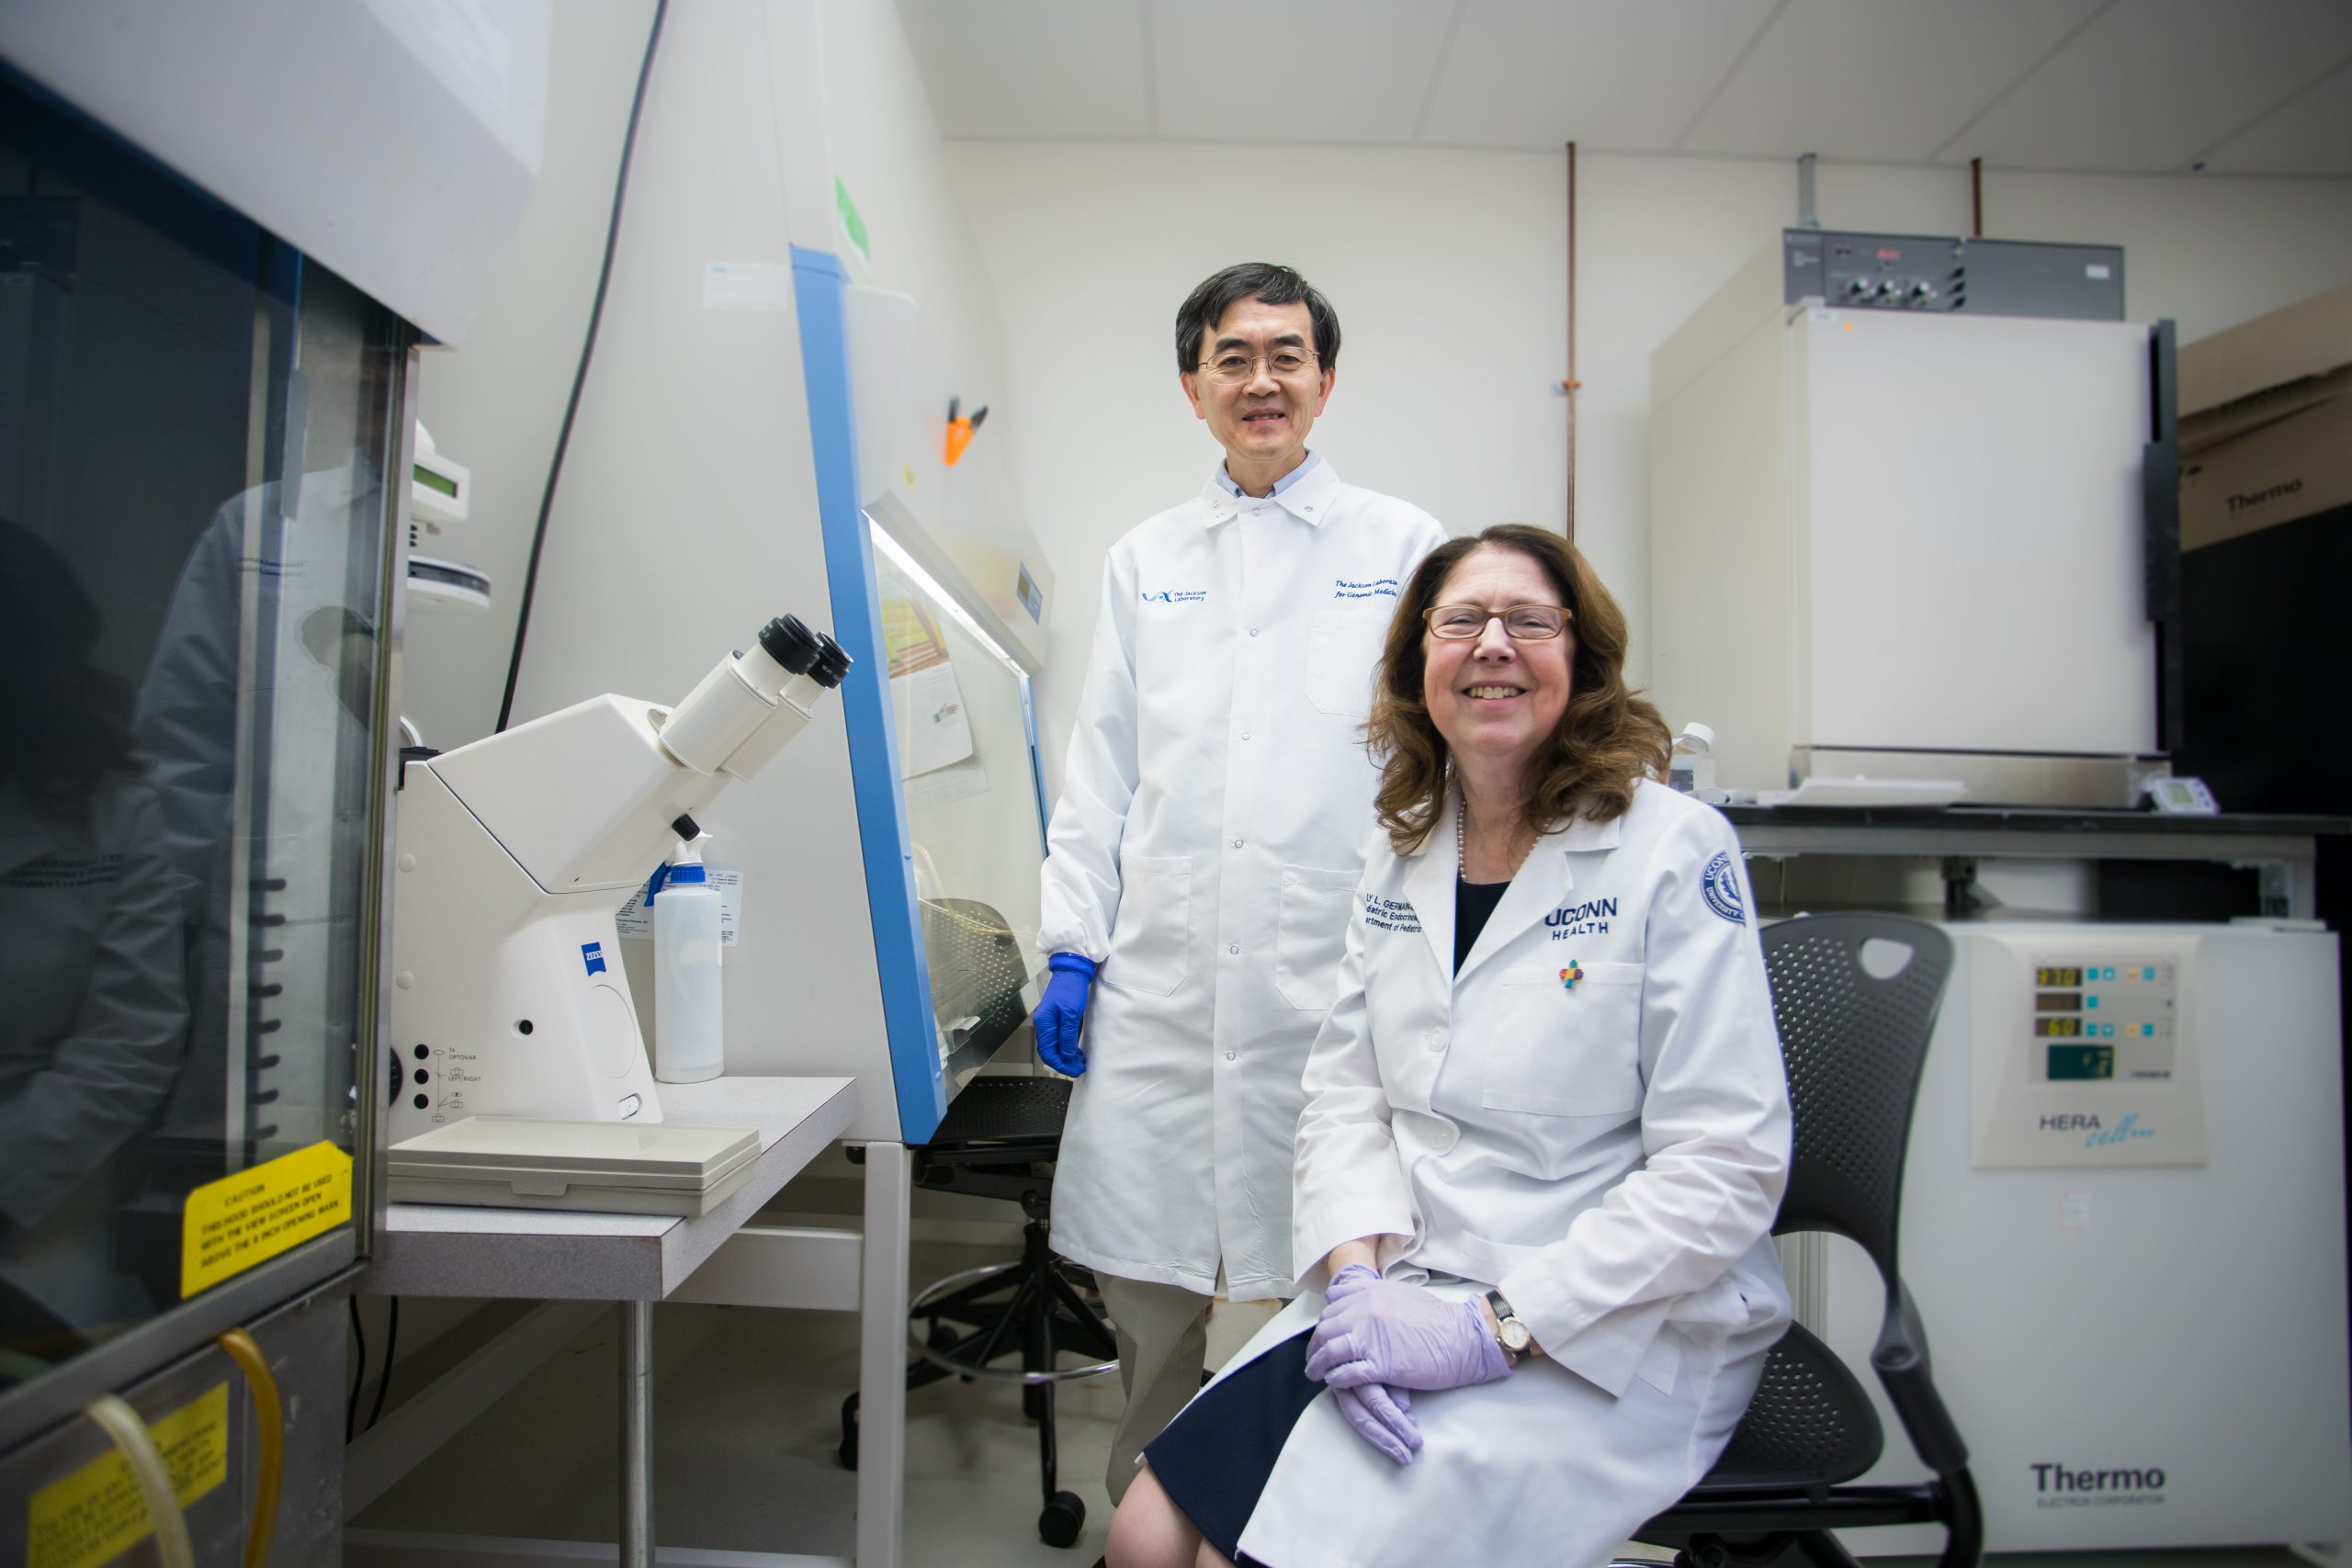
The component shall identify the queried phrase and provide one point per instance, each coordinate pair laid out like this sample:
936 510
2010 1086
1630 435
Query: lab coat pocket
1568 1050
1151 941
1343 646
1312 928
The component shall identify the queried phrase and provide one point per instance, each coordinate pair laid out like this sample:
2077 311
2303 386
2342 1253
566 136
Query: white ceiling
2140 86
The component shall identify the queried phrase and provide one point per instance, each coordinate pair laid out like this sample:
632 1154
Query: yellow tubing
270 1427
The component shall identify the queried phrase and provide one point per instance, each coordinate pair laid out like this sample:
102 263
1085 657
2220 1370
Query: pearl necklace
1461 847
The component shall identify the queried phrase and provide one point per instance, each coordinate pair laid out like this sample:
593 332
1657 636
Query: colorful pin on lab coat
1570 976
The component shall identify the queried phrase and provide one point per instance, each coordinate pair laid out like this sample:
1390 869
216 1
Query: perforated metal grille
977 971
1000 1110
1809 1424
1853 1045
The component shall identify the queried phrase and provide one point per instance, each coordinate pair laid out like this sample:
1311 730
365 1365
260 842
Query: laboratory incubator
2123 1224
1915 516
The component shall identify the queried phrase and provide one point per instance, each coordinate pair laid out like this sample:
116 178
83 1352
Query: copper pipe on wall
1568 386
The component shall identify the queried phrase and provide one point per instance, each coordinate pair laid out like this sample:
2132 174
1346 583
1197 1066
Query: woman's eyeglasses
1522 622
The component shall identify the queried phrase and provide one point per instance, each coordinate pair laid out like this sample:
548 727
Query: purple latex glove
1061 1013
1381 1417
1403 1336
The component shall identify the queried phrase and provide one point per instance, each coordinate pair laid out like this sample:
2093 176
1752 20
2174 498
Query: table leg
637 1434
882 1355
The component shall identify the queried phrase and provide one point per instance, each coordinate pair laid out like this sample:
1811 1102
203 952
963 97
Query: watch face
1515 1335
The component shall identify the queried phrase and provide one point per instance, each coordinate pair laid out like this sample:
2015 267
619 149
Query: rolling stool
998 1140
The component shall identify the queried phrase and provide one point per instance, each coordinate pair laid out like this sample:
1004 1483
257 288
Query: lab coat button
1233 947
1237 843
1228 1056
1435 1039
1253 631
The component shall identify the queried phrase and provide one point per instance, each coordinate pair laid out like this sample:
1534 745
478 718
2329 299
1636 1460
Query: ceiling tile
1610 76
2152 84
1296 70
1878 80
1056 70
2311 135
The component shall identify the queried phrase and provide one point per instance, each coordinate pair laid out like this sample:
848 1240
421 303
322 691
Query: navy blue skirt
1215 1458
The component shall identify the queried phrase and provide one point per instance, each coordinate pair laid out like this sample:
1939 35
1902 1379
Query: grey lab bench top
434 1249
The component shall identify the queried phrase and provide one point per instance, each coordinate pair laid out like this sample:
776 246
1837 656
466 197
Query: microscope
515 852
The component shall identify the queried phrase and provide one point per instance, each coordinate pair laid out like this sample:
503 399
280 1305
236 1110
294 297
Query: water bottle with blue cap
687 1038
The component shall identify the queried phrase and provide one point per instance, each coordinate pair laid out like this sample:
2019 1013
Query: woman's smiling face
1494 697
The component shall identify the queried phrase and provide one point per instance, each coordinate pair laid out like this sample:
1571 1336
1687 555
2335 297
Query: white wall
1448 271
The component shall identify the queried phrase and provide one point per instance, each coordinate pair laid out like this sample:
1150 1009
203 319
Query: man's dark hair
1205 307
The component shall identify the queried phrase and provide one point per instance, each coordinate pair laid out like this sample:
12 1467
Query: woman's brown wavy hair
1608 736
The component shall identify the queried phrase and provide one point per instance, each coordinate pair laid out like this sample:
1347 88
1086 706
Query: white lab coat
1609 1155
1214 815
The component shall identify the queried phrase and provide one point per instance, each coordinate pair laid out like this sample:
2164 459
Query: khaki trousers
1162 1332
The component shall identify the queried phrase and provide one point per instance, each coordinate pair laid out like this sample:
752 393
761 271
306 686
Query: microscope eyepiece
833 662
791 644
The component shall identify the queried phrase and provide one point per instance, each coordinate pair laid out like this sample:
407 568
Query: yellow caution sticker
251 1217
96 1514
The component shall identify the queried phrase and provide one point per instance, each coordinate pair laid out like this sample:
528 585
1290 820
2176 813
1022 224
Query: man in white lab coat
1215 813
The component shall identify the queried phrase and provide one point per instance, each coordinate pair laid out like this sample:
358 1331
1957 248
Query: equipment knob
791 644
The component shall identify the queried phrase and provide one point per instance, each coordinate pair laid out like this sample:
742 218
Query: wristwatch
1518 1341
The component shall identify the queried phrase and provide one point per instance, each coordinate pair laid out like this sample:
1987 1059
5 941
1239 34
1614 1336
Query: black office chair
1853 1043
1000 1139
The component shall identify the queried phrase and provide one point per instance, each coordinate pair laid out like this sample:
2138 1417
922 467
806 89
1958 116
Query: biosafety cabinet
207 354
1912 506
2123 1224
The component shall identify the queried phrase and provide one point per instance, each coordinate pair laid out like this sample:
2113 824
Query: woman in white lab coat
1546 1137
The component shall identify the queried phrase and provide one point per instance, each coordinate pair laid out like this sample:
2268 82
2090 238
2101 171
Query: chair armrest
1899 1358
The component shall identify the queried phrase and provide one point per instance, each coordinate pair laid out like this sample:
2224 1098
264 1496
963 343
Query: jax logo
1721 887
591 954
1174 595
1368 587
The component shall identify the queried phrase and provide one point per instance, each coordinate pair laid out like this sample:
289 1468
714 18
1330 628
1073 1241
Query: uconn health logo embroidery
1721 886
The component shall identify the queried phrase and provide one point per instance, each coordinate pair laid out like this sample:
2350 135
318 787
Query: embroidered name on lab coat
1372 588
1390 914
1175 595
1589 919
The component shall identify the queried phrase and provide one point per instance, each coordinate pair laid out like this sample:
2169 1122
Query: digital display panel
434 481
2057 1028
2079 1062
2058 1001
2058 976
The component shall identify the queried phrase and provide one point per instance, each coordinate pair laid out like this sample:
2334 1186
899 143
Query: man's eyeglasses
1233 367
1522 622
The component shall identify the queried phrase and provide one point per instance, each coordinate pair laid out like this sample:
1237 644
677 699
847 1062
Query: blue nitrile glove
1061 1013
1381 1416
1403 1336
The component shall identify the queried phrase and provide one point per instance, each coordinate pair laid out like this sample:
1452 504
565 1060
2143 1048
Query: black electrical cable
384 1380
358 1374
579 376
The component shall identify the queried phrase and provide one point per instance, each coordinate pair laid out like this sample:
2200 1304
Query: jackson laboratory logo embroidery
1174 595
1721 886
1369 588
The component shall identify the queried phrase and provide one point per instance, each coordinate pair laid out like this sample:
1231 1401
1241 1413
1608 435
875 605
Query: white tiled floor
747 1408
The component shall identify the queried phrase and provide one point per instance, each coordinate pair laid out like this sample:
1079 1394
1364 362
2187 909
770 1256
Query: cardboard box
2266 428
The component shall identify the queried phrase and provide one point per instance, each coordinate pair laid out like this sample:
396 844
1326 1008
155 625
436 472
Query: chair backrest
1853 1044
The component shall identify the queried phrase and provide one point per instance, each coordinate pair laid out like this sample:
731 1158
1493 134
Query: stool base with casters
1034 1309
